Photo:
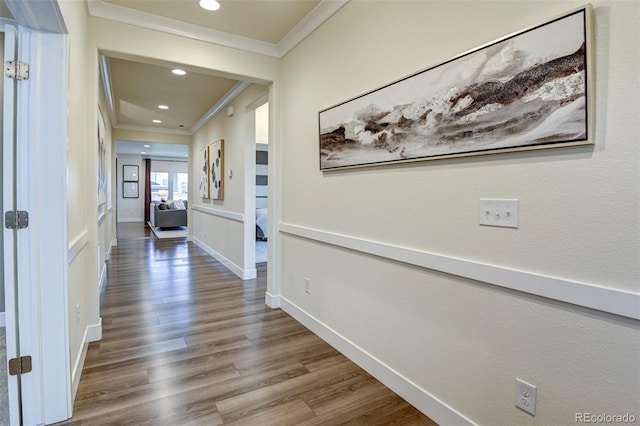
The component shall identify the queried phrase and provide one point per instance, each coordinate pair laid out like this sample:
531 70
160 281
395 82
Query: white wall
219 234
130 209
459 340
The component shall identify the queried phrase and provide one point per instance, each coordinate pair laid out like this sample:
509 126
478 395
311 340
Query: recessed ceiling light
143 152
178 71
157 121
209 4
163 106
147 146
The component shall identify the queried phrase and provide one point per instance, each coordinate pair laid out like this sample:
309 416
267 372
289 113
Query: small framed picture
130 173
129 189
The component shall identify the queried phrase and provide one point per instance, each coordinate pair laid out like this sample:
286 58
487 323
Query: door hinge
20 365
16 70
16 219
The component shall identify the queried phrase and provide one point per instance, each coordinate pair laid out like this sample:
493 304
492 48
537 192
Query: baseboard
272 301
103 278
92 333
3 321
110 249
432 407
245 274
131 220
77 369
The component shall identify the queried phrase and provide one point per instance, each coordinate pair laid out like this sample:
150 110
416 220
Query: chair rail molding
605 299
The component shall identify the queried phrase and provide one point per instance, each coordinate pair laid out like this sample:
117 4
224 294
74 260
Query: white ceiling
136 86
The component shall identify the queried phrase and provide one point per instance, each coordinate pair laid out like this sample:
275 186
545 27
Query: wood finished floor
185 342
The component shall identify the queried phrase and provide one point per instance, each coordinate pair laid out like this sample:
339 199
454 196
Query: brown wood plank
187 342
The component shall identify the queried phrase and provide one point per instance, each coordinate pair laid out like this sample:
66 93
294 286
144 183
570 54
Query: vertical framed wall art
203 161
130 190
102 159
216 170
529 90
130 173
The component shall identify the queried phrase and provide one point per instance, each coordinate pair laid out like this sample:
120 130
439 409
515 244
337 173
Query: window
180 186
159 182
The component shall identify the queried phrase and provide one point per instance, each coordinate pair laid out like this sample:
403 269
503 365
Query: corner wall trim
440 412
94 332
273 301
77 244
238 217
245 274
614 301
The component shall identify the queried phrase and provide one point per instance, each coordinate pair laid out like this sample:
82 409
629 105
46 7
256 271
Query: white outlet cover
526 394
500 212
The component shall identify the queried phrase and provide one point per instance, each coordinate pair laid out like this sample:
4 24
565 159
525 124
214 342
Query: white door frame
42 248
250 183
42 186
10 49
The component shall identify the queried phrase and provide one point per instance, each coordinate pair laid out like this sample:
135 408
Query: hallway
187 342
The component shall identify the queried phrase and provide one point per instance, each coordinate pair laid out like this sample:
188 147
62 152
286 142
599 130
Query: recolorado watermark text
605 418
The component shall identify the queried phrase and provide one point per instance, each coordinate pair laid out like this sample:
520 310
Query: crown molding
322 12
224 101
150 129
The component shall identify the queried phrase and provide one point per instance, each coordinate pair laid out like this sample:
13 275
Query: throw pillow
178 204
162 206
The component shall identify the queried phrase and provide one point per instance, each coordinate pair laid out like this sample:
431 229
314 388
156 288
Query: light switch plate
500 212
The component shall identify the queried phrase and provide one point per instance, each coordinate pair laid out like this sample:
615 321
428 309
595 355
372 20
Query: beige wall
463 341
225 236
459 340
82 195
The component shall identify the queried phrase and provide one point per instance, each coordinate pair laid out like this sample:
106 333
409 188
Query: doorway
262 181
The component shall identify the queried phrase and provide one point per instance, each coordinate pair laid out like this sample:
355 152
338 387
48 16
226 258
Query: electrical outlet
307 285
77 312
526 396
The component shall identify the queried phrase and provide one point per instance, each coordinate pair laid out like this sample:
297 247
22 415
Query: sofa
166 215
